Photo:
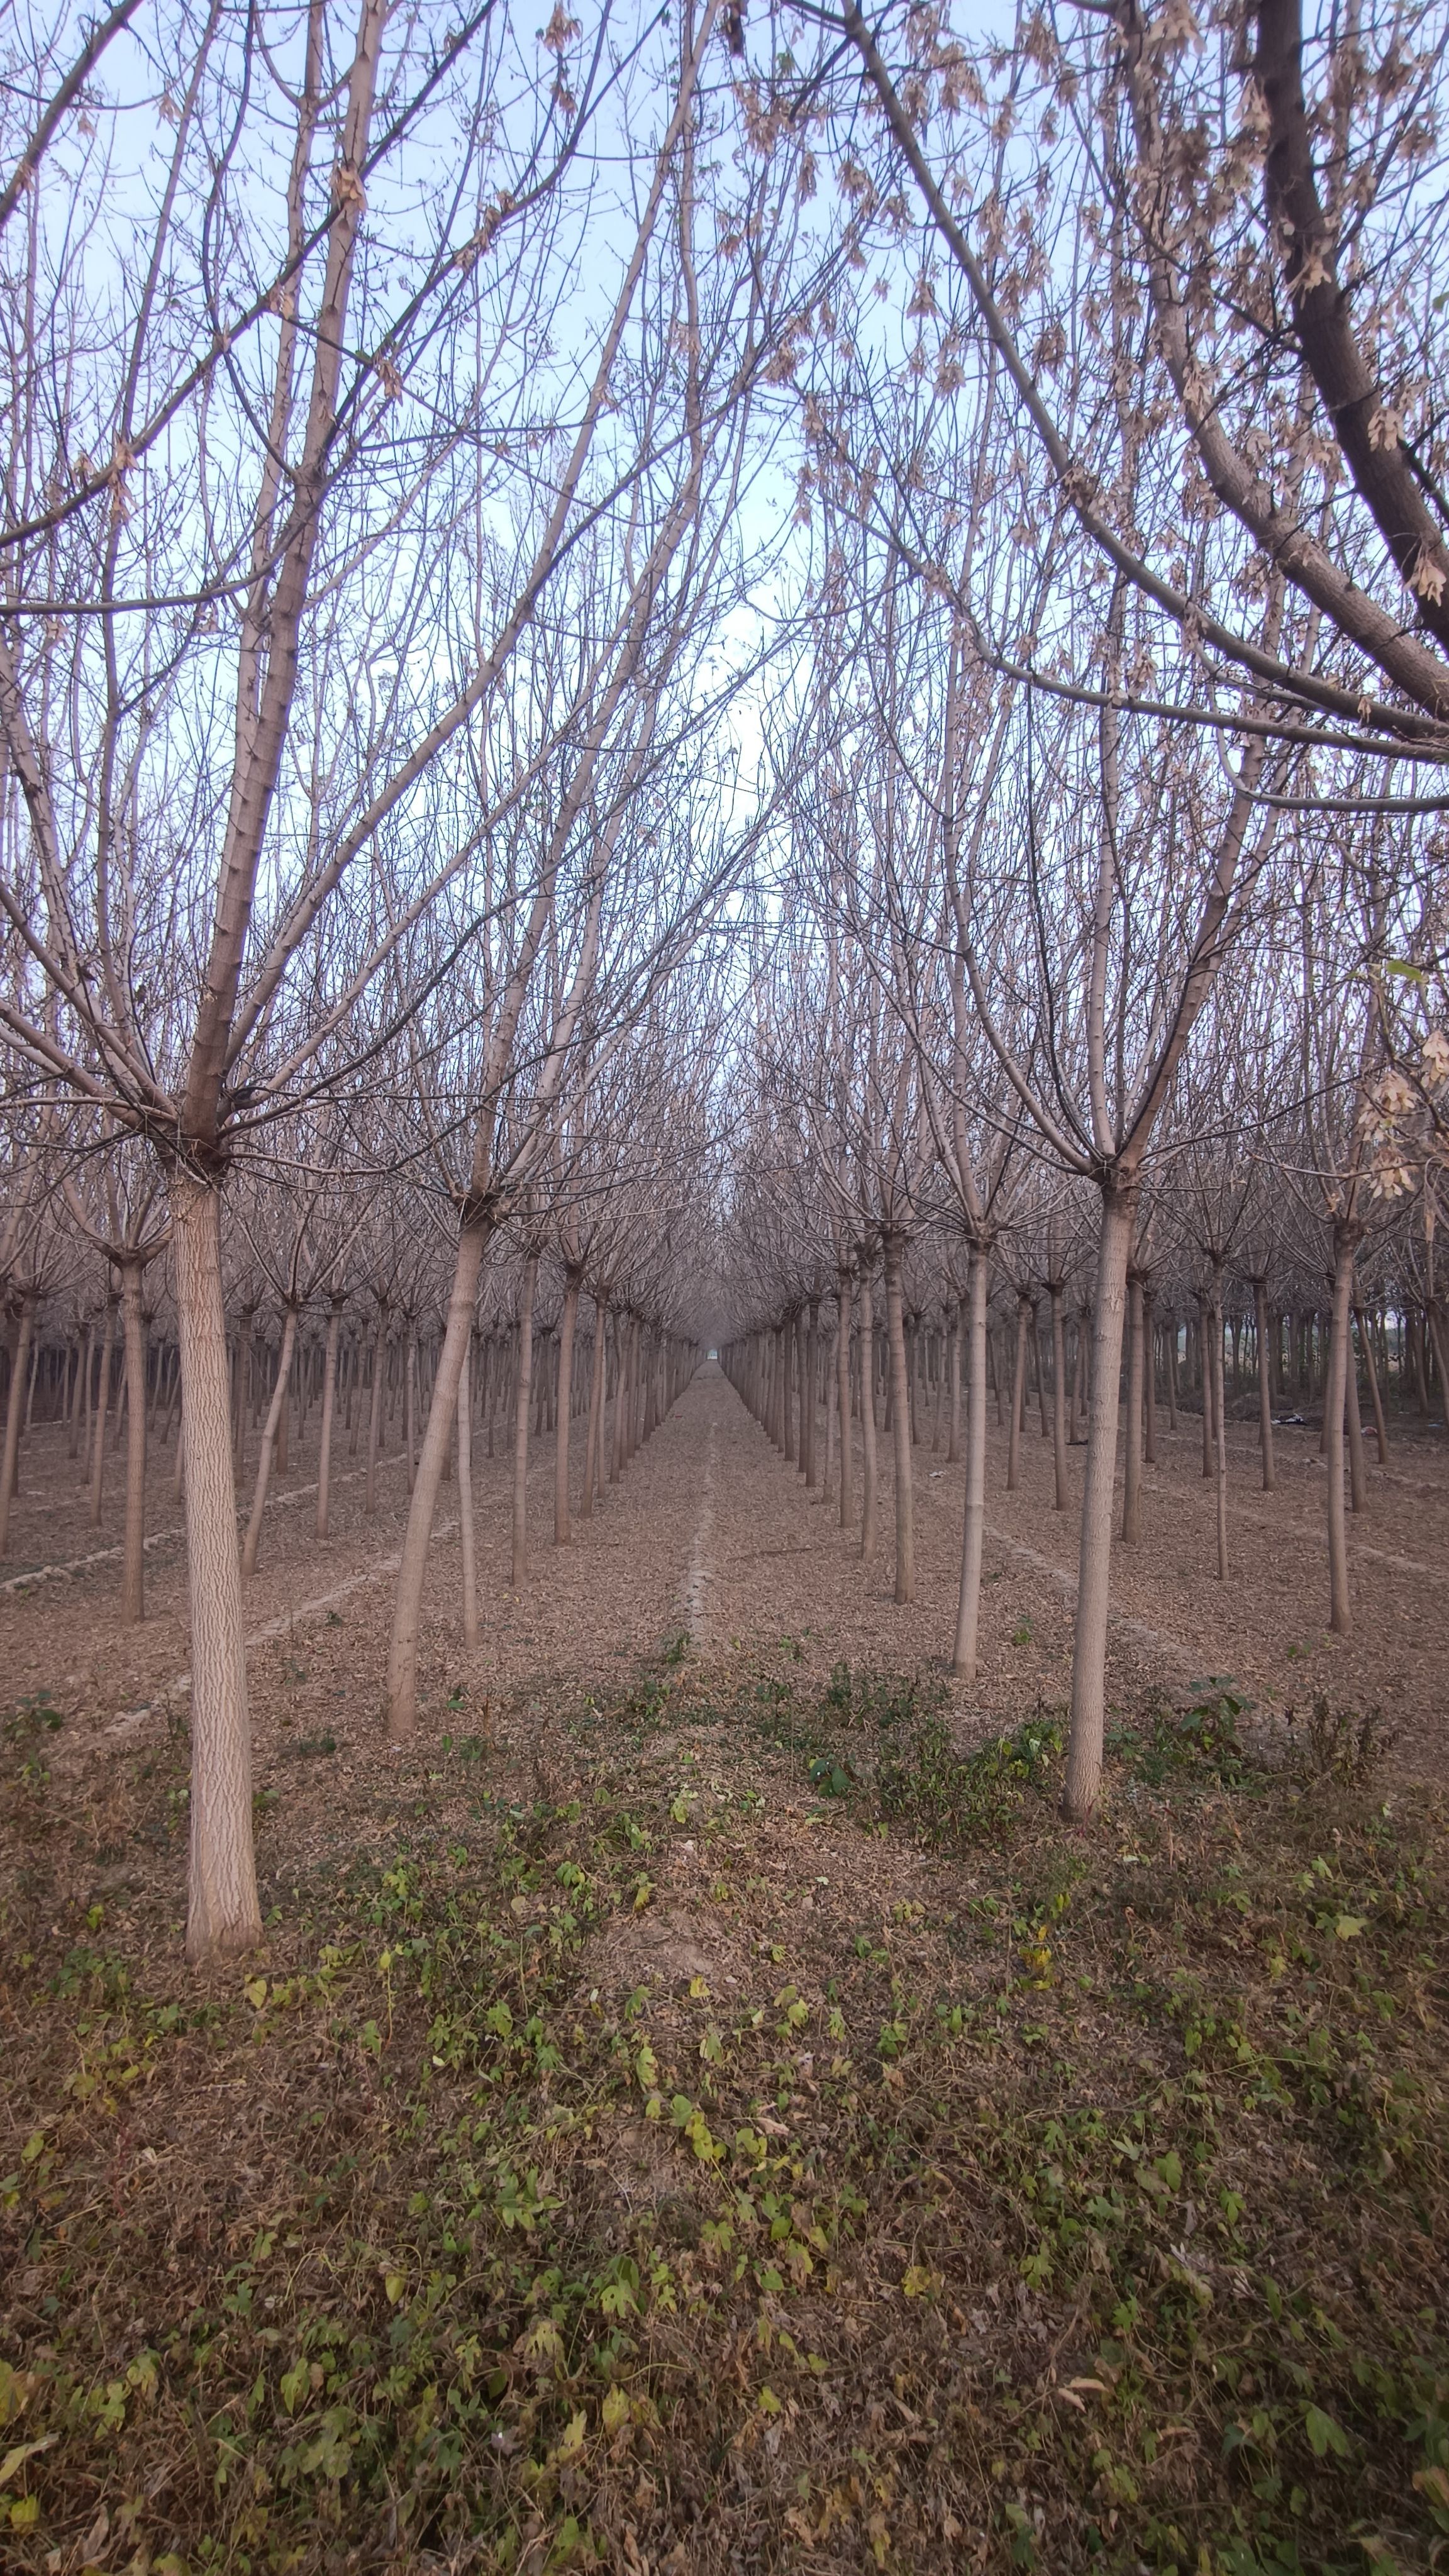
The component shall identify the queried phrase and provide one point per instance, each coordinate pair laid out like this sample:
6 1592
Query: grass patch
986 2194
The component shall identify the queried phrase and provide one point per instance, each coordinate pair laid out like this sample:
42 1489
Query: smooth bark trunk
522 1397
1265 1384
968 1598
842 1397
223 1912
133 1552
402 1661
329 1409
465 1498
1220 1436
1381 1433
564 1413
1094 1562
867 1419
905 1589
98 1424
14 1416
596 1414
269 1435
1018 1400
1132 1461
1059 1398
1340 1612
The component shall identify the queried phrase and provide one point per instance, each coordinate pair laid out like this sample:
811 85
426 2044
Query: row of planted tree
545 1356
830 1363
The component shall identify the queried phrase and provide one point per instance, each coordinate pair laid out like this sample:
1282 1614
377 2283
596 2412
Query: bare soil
713 1536
691 2111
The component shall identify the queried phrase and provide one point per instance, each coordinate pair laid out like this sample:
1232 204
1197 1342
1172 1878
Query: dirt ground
630 2147
712 1536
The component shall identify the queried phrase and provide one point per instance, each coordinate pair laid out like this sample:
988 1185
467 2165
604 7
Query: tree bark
842 1397
867 1416
269 1433
223 1912
374 1416
596 1414
1132 1463
968 1599
329 1408
1018 1400
465 1497
1380 1426
402 1661
1220 1429
1265 1383
1340 1612
901 1423
809 1373
1059 1397
410 1404
133 1555
523 1392
1357 1482
1094 1563
563 1413
14 1415
98 1422
1149 1376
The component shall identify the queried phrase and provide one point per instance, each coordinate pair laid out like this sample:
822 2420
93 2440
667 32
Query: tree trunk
901 1411
410 1405
867 1416
90 1372
596 1414
1059 1397
1149 1376
284 1417
223 1913
465 1497
808 1394
329 1409
564 1413
374 1417
1094 1564
98 1424
1220 1429
73 1417
1172 1372
1340 1613
968 1599
269 1433
1018 1400
842 1397
402 1659
1132 1463
1380 1427
14 1415
1357 1482
522 1395
133 1554
1265 1384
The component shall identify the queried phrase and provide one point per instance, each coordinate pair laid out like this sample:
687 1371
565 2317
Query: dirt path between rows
711 1540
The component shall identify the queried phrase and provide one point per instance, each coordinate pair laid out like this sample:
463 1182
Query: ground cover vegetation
644 2151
